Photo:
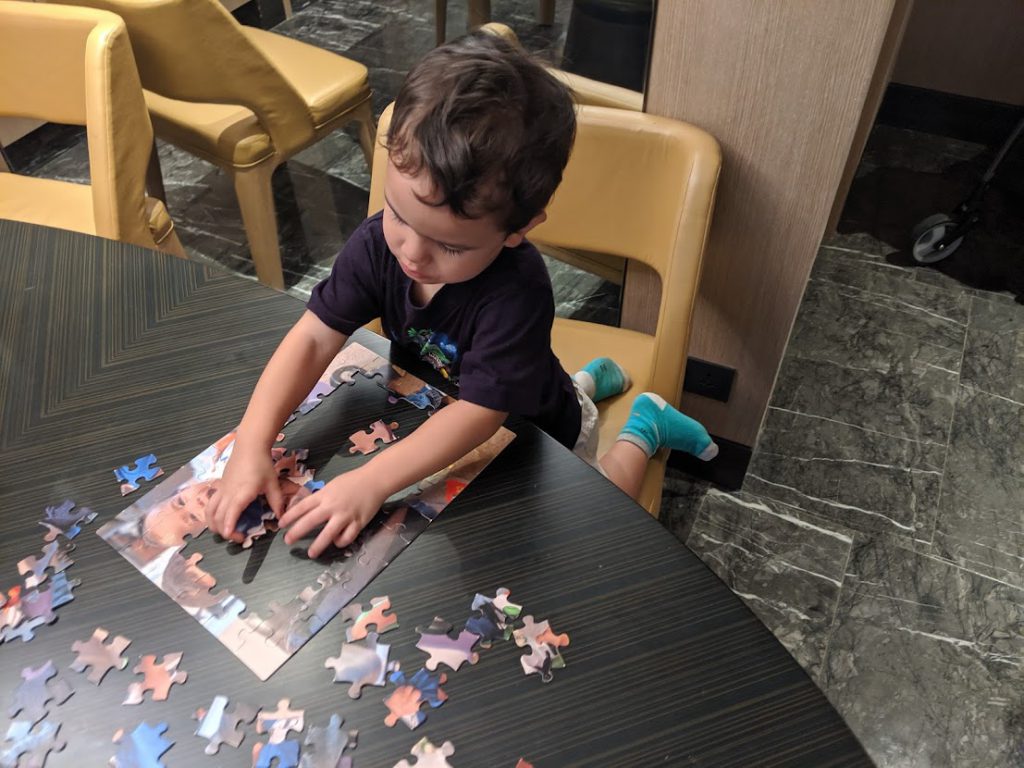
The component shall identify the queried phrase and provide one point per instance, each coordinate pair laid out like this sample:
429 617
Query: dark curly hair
489 124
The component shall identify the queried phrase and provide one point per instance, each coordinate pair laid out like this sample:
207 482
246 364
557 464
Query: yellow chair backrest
194 50
74 65
636 186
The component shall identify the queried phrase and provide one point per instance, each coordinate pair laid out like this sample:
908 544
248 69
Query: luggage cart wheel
928 236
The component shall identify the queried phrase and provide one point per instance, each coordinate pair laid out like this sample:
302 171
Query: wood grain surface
109 351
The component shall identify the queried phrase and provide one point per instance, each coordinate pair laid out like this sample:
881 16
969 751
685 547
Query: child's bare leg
624 464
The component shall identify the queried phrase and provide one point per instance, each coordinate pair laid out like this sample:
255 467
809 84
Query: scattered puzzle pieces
55 558
362 619
221 727
405 701
523 764
366 442
544 655
362 665
142 748
64 520
442 648
429 756
21 741
101 657
276 723
494 617
39 686
143 469
325 745
285 752
159 678
255 521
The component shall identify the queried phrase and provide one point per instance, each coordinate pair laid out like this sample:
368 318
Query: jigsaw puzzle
362 618
21 740
523 764
39 686
325 746
64 520
366 442
276 724
404 702
152 532
256 520
429 756
493 618
143 469
55 558
219 726
442 648
99 655
158 678
544 655
361 665
143 747
285 752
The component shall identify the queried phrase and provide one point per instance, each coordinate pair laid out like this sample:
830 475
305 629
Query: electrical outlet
708 379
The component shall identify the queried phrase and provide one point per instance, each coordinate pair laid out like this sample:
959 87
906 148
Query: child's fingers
326 537
298 510
275 498
347 536
314 516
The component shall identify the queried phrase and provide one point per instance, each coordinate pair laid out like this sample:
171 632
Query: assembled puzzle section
265 630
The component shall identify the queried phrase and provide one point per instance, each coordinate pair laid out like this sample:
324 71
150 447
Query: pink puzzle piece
366 442
362 618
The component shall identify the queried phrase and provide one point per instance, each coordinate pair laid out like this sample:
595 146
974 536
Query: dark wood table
109 351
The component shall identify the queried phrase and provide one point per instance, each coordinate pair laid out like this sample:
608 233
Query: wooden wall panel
781 84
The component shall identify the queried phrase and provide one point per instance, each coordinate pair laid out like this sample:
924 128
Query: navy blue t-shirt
490 335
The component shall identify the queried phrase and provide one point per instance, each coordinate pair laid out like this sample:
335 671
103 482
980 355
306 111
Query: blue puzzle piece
424 398
143 470
286 752
143 747
315 485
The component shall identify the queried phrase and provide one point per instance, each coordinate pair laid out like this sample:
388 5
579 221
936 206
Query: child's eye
451 251
395 216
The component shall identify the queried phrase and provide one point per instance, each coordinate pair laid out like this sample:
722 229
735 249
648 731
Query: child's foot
602 378
654 424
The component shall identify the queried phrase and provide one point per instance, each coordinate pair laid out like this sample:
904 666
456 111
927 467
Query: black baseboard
726 470
947 114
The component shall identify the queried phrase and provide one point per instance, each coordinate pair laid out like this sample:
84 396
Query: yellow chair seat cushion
59 204
229 135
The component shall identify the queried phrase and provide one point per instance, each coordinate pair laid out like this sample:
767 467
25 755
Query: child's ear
519 235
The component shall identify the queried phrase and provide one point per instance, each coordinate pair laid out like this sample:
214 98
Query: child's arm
296 365
348 502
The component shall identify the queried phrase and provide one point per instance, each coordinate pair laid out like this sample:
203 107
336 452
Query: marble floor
879 532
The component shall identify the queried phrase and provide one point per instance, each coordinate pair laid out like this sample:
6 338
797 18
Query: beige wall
781 84
969 47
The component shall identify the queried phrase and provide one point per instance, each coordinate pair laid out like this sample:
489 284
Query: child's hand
344 506
249 472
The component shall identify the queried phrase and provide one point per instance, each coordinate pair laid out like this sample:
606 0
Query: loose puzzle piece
142 748
39 686
159 678
366 442
362 665
362 619
544 655
55 557
325 745
256 520
405 701
429 756
21 741
285 752
523 764
65 520
278 722
25 629
445 649
143 469
494 617
101 657
425 398
40 603
221 727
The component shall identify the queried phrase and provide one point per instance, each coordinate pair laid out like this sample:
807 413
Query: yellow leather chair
244 99
75 66
639 187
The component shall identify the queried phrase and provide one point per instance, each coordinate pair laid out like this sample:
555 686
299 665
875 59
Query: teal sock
602 378
654 424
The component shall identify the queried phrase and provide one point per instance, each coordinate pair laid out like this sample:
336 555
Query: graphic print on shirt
435 348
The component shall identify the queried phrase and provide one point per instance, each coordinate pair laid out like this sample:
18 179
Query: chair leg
440 20
287 7
546 12
479 13
155 177
256 199
367 132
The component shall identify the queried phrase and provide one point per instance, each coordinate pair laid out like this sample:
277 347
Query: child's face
433 245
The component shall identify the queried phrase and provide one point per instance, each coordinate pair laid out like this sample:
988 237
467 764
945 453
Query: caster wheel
928 234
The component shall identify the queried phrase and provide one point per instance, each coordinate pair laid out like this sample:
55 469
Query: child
478 141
